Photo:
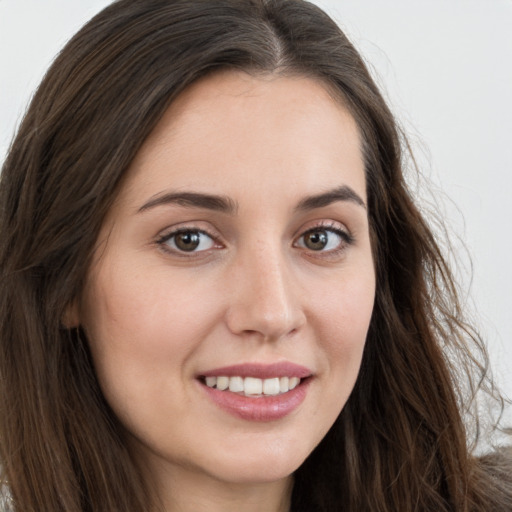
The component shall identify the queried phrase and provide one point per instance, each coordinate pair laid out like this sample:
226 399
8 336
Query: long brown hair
400 443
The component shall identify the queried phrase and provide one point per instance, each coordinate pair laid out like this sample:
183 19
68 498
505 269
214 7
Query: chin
267 465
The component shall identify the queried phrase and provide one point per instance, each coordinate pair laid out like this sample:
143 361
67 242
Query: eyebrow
343 193
193 200
225 204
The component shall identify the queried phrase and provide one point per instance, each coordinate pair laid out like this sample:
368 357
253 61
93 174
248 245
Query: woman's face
237 254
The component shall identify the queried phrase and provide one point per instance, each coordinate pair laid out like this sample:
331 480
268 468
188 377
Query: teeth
236 384
252 386
271 386
211 381
222 383
294 382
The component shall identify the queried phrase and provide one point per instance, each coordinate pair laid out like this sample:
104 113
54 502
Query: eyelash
163 241
346 239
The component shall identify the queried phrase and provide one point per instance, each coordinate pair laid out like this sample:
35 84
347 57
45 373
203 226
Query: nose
264 299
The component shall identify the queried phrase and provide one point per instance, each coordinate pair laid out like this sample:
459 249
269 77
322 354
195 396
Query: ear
71 317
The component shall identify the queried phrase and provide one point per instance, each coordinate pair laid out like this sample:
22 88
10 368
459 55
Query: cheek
131 307
346 308
142 327
143 331
344 317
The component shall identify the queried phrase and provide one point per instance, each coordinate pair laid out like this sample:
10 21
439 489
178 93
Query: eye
187 240
322 239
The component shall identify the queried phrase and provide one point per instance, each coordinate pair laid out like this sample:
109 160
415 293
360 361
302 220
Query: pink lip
260 371
263 408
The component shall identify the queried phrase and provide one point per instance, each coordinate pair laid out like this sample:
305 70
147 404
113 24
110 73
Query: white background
446 68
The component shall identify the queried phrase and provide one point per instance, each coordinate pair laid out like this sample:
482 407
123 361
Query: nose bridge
263 299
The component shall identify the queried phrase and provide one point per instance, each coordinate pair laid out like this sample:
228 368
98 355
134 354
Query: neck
183 490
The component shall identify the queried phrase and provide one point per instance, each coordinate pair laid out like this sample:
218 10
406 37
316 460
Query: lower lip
263 408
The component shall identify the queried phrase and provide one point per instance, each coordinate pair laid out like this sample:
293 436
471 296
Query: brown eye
324 240
316 240
189 241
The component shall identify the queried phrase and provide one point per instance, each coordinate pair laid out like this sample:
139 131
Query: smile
253 386
257 392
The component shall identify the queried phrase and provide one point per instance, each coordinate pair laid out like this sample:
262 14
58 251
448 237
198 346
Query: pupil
187 241
316 240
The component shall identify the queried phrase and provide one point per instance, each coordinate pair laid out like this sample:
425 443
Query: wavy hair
401 442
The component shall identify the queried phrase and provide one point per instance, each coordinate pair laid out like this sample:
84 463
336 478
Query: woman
217 292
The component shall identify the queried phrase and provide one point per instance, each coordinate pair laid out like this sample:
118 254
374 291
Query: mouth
253 387
257 392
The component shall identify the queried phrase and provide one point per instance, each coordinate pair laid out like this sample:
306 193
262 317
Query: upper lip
260 370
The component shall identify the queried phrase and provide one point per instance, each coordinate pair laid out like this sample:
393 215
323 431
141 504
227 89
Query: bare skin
240 237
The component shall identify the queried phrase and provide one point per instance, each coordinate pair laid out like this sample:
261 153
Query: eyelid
165 235
333 226
328 225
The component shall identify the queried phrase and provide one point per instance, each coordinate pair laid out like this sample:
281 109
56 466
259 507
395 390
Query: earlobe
71 317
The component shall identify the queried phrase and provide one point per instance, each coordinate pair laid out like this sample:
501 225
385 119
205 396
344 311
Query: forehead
232 129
